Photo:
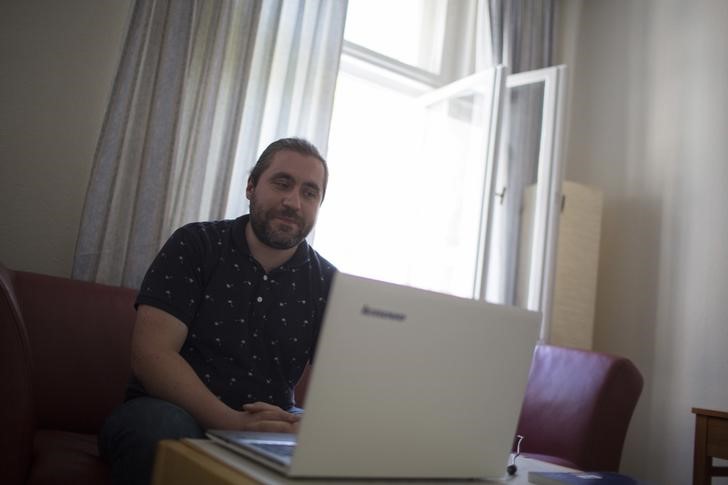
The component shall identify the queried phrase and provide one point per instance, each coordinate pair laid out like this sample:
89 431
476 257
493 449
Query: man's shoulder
321 264
216 234
211 228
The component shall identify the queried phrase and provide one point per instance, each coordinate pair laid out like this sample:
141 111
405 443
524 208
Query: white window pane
410 31
404 198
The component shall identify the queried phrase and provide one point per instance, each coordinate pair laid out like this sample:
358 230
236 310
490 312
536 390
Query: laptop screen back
415 384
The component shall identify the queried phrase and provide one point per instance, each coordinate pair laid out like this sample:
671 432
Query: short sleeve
174 281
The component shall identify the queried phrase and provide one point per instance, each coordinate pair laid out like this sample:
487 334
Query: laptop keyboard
278 449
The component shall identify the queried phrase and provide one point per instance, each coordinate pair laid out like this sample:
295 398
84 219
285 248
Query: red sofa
64 365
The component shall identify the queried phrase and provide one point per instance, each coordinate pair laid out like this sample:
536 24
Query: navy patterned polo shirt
250 333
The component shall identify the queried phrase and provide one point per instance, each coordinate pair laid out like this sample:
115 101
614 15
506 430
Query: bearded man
228 316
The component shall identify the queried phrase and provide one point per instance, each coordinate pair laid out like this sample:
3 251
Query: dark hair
298 145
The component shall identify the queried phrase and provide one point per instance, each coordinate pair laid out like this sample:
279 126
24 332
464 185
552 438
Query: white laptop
406 383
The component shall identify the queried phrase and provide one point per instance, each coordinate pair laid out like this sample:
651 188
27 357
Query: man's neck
268 257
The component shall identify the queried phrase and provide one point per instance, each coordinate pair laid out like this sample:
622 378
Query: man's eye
310 194
281 184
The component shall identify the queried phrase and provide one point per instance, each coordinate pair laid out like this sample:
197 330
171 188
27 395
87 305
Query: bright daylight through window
407 172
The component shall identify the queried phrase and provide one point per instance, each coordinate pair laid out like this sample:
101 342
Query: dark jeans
129 437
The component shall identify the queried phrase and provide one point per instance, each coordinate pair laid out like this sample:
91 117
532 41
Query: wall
649 125
58 63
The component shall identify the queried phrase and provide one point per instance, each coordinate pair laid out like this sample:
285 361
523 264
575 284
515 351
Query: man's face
285 202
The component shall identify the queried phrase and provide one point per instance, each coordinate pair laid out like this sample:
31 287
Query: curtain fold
522 33
296 62
202 86
123 210
214 98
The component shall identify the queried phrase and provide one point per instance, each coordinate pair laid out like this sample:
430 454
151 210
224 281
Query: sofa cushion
62 457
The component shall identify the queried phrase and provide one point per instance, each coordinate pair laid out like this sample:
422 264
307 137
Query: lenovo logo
375 312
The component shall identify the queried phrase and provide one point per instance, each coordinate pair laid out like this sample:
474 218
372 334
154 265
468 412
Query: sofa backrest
578 406
80 337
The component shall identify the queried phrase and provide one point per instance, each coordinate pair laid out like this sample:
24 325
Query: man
227 318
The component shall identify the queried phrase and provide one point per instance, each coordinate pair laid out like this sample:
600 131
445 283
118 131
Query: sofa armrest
16 405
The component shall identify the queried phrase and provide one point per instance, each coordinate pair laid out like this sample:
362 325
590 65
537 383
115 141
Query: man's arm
157 363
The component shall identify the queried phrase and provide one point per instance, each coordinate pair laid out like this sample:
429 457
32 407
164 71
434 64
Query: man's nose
292 199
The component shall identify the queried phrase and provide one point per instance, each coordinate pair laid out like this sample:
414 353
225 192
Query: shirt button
265 277
260 298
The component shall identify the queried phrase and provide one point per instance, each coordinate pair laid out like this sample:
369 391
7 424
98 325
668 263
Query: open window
448 185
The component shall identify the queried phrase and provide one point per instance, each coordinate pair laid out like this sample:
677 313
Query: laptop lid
409 383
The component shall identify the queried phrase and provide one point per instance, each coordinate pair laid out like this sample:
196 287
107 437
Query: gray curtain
202 85
522 33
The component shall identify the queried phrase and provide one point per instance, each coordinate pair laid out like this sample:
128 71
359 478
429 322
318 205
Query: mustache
289 213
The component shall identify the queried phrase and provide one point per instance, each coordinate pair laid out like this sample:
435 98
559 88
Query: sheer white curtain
201 87
295 66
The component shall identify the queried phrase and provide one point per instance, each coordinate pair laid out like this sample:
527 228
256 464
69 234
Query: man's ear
249 189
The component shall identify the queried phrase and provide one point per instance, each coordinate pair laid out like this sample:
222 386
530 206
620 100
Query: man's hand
261 416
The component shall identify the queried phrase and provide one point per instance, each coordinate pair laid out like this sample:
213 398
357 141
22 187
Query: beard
275 234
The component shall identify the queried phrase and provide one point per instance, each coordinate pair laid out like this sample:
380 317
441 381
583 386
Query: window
406 187
409 31
417 168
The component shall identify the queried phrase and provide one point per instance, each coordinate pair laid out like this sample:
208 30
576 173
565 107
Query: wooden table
188 462
711 441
